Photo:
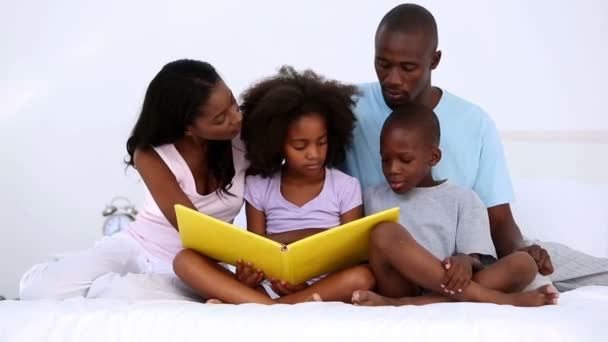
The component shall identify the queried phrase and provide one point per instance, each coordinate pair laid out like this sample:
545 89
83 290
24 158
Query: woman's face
219 118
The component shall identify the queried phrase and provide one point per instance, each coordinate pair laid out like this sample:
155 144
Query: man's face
403 65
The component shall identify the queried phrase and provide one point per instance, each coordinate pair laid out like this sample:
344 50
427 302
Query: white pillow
565 211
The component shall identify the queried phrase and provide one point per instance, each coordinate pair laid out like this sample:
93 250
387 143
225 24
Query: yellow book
328 251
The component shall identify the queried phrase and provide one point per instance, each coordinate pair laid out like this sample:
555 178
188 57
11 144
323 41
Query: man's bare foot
214 301
544 295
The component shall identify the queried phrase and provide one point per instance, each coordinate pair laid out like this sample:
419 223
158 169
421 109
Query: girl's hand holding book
283 288
248 275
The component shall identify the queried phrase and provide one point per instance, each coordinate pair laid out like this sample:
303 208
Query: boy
444 229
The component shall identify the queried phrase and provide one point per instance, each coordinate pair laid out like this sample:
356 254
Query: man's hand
541 257
283 288
459 273
246 274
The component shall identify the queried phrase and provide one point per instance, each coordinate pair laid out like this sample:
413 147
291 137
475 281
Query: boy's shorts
487 260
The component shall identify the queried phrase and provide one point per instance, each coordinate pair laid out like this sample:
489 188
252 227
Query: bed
581 316
562 203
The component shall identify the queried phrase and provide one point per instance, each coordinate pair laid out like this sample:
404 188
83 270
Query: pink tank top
154 232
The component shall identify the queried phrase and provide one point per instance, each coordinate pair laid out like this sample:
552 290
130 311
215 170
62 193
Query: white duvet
582 315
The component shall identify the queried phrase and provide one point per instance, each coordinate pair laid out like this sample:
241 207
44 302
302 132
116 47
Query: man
406 53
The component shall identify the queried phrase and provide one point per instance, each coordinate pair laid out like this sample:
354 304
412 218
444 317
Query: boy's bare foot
544 295
315 298
369 298
214 301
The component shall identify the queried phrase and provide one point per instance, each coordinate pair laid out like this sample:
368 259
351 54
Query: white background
73 76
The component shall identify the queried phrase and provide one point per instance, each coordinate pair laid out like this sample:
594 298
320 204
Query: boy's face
305 148
407 159
403 63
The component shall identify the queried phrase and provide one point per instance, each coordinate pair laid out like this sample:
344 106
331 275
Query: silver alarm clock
119 214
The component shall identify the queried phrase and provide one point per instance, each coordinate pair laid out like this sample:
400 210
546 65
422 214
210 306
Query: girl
296 127
184 146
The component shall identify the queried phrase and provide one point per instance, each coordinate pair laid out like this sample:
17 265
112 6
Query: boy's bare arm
460 269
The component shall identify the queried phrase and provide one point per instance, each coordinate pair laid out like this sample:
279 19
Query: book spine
286 265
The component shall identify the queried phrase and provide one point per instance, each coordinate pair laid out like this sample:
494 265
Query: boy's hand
541 257
246 274
459 273
283 288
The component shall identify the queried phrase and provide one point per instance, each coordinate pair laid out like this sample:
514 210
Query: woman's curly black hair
269 107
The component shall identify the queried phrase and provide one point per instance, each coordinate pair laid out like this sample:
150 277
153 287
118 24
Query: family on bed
299 149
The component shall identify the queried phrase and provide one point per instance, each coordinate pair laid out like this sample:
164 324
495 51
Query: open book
328 251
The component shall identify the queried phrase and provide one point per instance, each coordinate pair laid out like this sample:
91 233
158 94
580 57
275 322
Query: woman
186 148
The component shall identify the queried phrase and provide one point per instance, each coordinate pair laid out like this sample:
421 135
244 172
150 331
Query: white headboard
575 155
561 186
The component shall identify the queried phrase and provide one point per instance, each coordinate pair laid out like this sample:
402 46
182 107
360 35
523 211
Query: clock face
115 224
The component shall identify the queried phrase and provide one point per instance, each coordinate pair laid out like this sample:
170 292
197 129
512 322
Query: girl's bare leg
337 286
213 281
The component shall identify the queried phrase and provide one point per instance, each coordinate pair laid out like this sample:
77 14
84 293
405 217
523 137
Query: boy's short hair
271 105
415 116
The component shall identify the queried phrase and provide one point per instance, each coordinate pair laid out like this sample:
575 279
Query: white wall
72 78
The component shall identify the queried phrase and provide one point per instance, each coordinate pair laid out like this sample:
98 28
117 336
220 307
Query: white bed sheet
580 316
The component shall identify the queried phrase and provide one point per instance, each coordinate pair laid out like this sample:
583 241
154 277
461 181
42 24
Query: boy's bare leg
509 274
213 281
513 273
396 247
389 282
393 289
337 286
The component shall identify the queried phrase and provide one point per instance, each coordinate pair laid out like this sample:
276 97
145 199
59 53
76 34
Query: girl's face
219 118
305 146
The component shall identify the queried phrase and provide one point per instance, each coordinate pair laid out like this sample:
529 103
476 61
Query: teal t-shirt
472 153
